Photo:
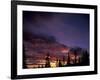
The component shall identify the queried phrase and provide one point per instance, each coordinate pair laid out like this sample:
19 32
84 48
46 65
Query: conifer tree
47 60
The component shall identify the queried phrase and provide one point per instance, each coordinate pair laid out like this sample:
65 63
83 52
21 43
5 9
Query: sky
70 29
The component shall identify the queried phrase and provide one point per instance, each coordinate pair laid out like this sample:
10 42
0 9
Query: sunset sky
68 28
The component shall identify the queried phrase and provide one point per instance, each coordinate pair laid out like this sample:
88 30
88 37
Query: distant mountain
38 46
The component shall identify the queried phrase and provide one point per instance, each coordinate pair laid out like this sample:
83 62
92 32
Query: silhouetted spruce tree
63 60
47 60
85 58
76 51
24 58
57 62
79 60
60 64
68 58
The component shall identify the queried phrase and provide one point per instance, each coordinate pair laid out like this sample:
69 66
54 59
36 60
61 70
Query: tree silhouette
68 58
47 60
60 64
24 58
57 62
85 58
64 60
77 51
